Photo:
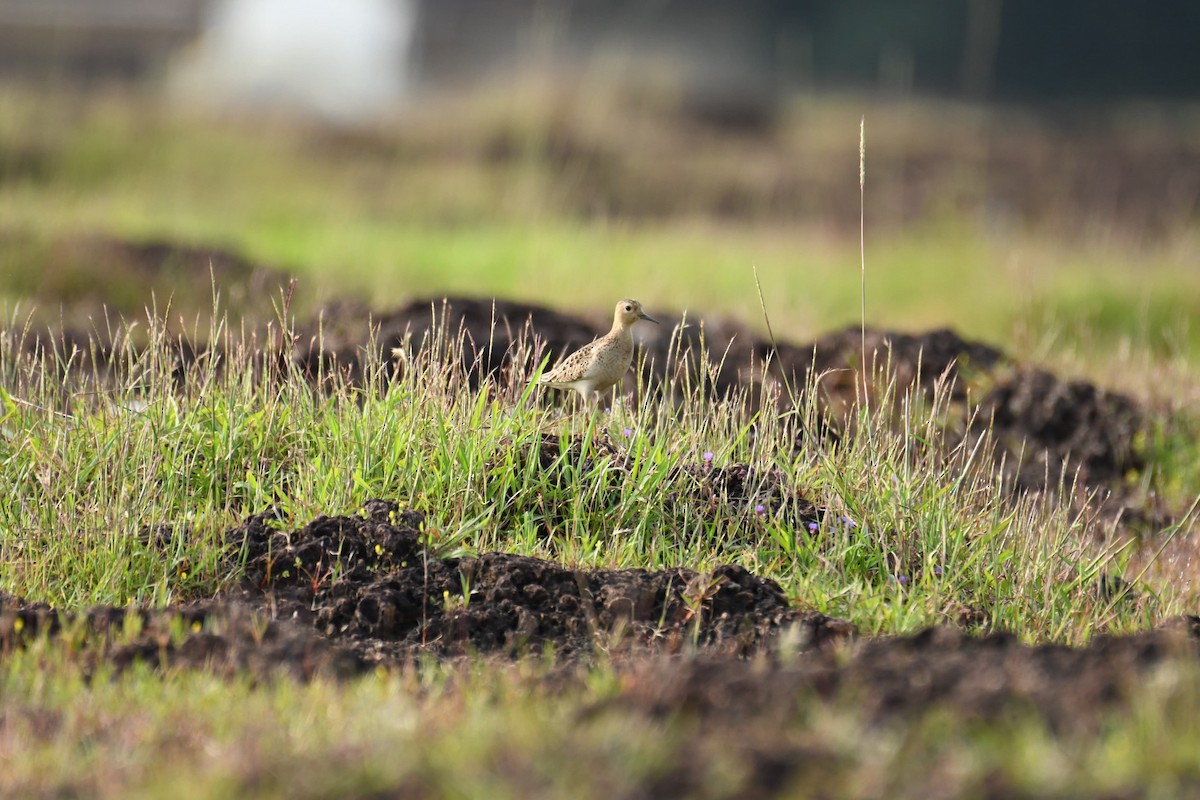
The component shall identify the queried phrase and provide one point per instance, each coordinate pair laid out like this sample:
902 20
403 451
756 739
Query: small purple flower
902 579
937 571
812 527
849 522
708 456
627 432
760 509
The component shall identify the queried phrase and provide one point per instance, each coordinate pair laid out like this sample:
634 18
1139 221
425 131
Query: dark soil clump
1062 425
367 583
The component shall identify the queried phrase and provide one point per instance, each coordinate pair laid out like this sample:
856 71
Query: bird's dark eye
629 308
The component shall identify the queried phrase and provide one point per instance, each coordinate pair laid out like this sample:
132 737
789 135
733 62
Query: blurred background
1032 169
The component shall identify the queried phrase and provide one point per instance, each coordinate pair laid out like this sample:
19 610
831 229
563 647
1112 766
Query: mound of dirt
368 583
1061 425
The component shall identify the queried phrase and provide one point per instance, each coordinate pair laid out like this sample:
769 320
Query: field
283 515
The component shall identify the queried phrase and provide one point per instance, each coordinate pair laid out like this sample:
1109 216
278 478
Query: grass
910 537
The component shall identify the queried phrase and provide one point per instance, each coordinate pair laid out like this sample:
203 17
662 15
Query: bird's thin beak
647 317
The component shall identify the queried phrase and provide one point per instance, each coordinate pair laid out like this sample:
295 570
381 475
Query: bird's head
629 312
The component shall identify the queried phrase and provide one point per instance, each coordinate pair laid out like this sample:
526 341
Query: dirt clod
367 582
1060 426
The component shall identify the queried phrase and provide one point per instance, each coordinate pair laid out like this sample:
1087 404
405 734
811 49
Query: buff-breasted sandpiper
600 365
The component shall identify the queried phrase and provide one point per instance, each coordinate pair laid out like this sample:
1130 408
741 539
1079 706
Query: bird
598 366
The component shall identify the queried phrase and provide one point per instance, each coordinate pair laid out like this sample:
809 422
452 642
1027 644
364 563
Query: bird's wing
578 365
